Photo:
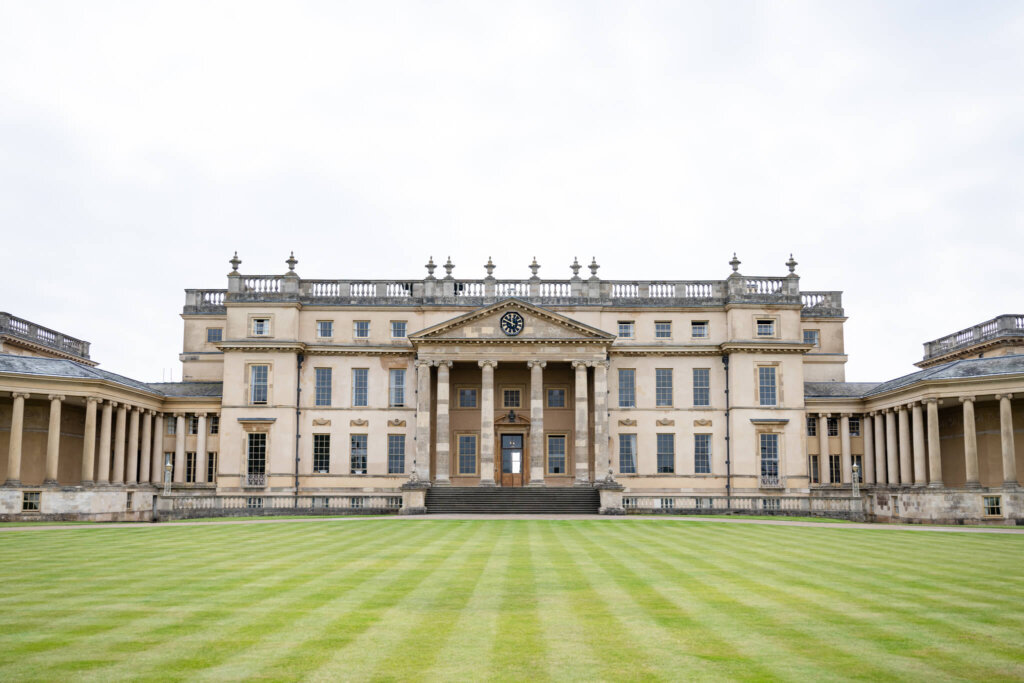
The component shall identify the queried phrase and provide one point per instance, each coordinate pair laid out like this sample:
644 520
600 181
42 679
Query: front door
512 460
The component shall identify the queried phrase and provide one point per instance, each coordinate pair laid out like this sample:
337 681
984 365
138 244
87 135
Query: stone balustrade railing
43 336
1011 325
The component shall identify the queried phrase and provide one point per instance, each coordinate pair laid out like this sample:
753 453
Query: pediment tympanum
511 320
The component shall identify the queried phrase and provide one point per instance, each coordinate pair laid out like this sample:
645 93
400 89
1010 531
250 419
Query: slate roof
837 389
189 389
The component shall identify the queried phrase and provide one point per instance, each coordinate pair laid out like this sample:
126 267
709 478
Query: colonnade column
103 462
868 432
845 448
179 448
53 441
156 473
14 447
132 469
970 444
881 473
601 455
892 448
147 446
536 421
580 451
920 466
201 450
1006 439
89 442
824 475
934 446
421 468
118 476
487 422
906 467
444 447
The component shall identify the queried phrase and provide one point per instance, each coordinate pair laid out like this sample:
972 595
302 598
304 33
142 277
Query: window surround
31 501
512 387
618 390
456 452
248 382
774 319
268 317
352 392
992 506
658 332
671 388
696 325
405 328
547 401
457 403
565 454
314 454
628 326
355 329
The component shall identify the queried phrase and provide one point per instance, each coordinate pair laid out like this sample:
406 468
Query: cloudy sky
141 143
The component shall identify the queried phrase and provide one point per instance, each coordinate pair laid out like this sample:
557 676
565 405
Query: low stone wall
175 507
78 503
944 506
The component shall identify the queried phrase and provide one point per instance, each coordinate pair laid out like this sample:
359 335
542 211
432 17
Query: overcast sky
141 143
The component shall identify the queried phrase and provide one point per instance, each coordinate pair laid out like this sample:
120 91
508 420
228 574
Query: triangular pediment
537 324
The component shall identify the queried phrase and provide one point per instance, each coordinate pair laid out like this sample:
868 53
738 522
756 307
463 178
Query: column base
50 482
1010 485
583 482
935 485
972 485
918 484
13 483
87 484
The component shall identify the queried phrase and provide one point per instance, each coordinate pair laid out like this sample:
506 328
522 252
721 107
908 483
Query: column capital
966 399
846 415
420 363
137 409
1000 397
202 414
601 364
443 363
929 400
178 413
485 363
900 408
112 404
825 415
536 364
92 399
580 364
21 394
56 397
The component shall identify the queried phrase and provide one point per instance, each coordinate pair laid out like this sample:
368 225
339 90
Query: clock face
511 323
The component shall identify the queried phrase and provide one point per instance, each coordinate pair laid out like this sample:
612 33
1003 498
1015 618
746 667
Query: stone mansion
447 394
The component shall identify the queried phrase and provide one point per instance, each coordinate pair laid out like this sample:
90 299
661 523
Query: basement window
993 506
668 503
30 501
128 500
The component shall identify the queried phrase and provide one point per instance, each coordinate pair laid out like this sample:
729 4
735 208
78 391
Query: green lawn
516 599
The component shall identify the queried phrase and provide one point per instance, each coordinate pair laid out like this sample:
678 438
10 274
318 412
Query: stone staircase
513 501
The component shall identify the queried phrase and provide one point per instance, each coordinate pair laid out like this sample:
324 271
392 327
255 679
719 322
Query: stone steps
550 501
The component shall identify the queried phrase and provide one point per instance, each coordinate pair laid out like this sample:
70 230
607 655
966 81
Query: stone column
846 448
147 446
824 473
421 469
53 441
179 448
103 462
906 468
867 431
970 444
581 455
14 449
536 421
1006 439
892 452
881 473
443 439
920 464
119 432
934 445
132 469
201 449
89 442
487 422
156 472
602 458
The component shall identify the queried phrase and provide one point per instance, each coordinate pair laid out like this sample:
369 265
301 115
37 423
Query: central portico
511 395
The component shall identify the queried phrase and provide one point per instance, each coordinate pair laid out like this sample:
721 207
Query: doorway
512 460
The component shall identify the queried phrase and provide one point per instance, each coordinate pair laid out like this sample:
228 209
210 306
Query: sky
141 144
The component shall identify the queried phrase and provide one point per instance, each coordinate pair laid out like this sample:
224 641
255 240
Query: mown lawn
515 599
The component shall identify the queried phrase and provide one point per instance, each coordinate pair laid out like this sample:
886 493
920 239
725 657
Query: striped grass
396 599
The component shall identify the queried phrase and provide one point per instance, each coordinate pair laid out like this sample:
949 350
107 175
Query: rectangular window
467 398
765 327
467 454
398 329
627 388
190 468
321 453
396 453
254 502
766 385
699 329
702 386
993 506
702 454
835 469
211 467
556 398
812 426
811 337
511 398
193 425
627 328
627 453
666 453
556 454
214 334
324 329
833 426
30 501
358 454
361 329
360 387
128 500
323 386
813 462
663 330
258 384
396 387
260 327
769 459
215 424
663 387
256 455
668 503
172 426
854 426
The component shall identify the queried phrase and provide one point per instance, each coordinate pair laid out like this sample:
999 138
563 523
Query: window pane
556 454
360 383
358 454
362 329
663 387
627 388
701 386
699 329
627 453
765 328
321 453
766 389
702 453
323 386
626 329
258 383
811 337
397 329
663 330
666 453
396 387
769 455
467 454
556 398
257 454
214 334
467 398
324 328
396 453
511 398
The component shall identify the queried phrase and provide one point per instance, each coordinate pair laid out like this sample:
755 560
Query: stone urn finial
292 262
791 264
430 268
575 268
448 267
489 267
534 266
735 263
235 262
593 266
